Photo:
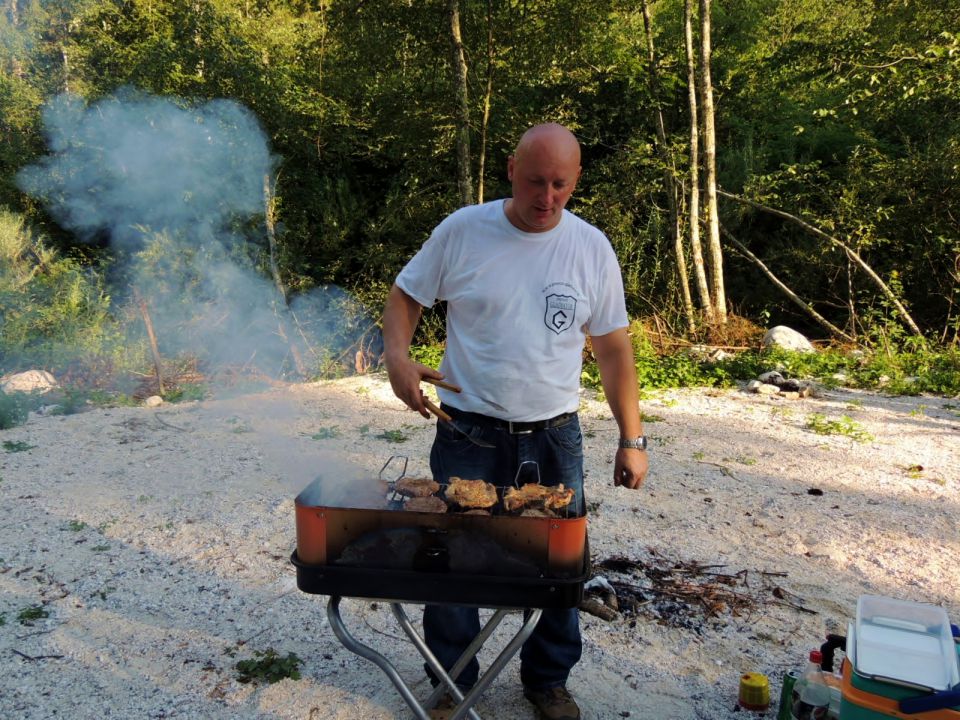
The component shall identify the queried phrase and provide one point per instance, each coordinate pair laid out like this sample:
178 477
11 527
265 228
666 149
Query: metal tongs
445 418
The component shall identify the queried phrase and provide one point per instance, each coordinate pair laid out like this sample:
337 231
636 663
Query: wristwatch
637 443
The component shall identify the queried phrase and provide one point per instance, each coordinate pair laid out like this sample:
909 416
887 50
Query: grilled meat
534 495
416 487
430 503
471 493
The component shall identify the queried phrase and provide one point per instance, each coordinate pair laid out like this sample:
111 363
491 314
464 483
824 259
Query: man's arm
618 374
400 318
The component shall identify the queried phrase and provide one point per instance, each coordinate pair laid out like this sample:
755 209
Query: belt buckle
516 432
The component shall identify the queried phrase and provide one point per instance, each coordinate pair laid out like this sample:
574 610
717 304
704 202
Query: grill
378 550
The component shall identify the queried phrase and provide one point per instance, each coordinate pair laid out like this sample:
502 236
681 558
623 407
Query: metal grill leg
364 651
466 702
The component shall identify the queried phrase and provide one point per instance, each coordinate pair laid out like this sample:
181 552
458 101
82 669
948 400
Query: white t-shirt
519 306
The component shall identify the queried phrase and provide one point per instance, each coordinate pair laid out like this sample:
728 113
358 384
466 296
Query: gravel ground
154 543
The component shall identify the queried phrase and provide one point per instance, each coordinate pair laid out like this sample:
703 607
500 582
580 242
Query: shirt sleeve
420 278
610 311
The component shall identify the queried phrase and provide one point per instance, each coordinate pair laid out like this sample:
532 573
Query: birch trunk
485 120
693 210
717 291
464 181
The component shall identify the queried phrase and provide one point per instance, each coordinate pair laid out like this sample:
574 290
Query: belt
511 426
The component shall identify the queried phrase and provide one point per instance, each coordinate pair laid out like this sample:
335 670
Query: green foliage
393 436
52 308
268 665
187 392
29 614
14 409
845 425
429 355
325 433
15 446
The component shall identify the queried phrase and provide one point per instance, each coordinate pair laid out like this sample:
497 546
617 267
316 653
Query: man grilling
525 281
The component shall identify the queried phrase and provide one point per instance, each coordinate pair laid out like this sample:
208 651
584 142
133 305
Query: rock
790 394
771 378
30 381
787 338
753 385
766 389
789 385
153 401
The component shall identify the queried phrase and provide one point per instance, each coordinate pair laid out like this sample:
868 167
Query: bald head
552 136
543 173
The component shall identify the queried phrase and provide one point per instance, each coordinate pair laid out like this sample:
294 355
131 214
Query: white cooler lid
905 641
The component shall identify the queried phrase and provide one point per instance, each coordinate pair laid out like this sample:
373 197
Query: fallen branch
806 307
851 253
33 658
152 338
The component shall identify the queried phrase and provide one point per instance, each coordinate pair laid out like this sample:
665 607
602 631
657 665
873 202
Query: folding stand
466 702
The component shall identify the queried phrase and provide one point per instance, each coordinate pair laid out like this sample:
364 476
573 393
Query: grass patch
393 436
846 426
325 433
267 665
15 446
27 616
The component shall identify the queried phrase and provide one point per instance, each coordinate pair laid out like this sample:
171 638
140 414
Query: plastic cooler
902 662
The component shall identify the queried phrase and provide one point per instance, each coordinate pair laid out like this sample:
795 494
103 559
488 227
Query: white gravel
157 542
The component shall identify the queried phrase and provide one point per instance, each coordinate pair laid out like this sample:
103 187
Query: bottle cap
754 691
816 657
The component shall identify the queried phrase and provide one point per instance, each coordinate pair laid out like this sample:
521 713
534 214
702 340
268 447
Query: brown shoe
444 708
554 703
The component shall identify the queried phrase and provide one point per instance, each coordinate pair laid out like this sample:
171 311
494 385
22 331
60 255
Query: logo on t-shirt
561 311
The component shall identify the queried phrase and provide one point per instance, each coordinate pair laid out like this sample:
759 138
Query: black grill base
442 588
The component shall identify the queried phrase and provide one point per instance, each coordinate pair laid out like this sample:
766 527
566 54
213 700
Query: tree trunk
717 291
670 184
464 181
485 121
693 211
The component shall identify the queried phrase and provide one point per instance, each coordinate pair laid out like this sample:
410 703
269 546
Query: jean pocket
568 438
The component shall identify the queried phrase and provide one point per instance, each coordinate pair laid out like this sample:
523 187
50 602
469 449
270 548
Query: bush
52 309
14 409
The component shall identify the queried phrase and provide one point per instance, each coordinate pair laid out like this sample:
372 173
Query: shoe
444 708
554 703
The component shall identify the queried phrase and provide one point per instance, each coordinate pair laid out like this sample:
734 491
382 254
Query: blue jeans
555 645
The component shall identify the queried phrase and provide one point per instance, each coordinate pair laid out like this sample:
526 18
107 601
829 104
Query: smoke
179 190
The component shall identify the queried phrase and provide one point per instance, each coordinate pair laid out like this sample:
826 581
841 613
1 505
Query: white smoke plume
178 189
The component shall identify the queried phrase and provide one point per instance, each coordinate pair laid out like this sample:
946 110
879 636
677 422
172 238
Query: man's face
543 176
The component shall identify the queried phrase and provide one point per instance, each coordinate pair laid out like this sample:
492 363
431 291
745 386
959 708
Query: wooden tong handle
443 383
436 410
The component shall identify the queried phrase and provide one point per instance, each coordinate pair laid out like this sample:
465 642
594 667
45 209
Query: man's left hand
630 468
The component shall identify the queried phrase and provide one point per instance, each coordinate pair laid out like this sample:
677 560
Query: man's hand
630 468
405 376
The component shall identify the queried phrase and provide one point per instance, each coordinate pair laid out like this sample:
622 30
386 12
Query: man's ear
510 168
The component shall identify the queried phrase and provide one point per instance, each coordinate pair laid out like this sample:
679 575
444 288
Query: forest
214 168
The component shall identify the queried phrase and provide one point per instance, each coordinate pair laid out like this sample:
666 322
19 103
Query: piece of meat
534 495
430 503
416 487
471 493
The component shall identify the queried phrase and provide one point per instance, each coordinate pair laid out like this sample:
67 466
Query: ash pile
679 593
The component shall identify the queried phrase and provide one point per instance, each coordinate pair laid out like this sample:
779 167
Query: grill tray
488 591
